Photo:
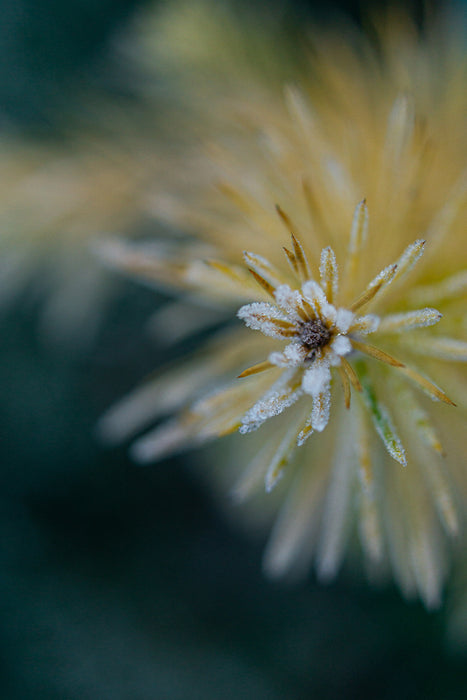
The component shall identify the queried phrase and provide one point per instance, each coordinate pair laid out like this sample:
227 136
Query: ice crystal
320 336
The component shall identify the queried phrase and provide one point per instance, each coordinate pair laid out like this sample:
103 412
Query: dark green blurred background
118 582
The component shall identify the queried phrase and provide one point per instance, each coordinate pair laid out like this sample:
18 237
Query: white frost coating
394 445
333 358
293 355
278 359
328 270
288 299
279 397
250 312
397 323
384 277
316 378
260 316
366 324
305 433
315 296
267 407
344 319
410 256
329 312
341 345
321 409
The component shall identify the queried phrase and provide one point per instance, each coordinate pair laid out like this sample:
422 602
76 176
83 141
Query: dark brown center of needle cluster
314 334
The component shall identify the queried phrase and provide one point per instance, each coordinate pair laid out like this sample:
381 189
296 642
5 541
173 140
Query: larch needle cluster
321 211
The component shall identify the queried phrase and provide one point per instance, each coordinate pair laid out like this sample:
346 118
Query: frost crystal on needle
320 335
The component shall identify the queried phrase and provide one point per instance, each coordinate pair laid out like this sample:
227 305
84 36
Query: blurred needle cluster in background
307 171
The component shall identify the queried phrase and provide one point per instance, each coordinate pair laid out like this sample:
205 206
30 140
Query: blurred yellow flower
353 147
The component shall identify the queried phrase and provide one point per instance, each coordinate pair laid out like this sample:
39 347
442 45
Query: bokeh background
122 582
